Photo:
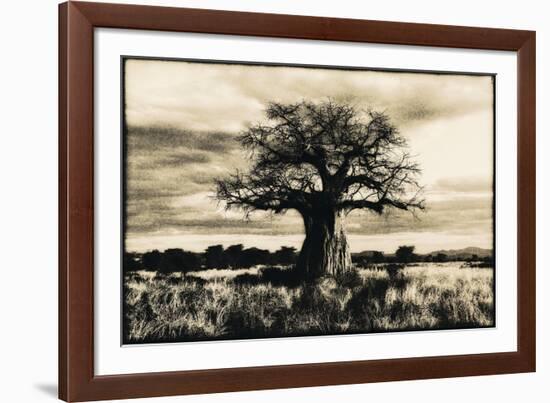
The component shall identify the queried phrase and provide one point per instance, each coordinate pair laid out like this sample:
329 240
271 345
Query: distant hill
464 253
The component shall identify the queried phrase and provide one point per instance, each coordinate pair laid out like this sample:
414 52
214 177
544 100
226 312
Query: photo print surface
266 201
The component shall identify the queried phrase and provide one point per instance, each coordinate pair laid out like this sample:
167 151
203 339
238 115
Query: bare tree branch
327 155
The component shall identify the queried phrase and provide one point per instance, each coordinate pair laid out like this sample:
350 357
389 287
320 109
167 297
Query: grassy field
271 302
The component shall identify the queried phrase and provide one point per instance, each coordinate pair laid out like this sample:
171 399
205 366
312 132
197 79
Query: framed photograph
256 201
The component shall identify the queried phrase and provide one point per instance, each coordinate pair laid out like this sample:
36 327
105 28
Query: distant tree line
238 257
405 254
214 257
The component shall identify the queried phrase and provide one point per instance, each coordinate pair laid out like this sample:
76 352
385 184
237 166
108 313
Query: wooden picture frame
77 21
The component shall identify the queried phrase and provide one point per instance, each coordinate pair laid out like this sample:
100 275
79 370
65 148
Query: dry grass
226 304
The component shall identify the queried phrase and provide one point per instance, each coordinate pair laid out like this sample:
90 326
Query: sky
182 120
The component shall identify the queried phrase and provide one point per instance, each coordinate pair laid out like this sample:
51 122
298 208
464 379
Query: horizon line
298 249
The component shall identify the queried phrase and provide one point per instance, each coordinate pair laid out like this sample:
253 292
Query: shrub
349 279
405 254
479 265
394 271
195 280
281 277
246 279
315 312
366 301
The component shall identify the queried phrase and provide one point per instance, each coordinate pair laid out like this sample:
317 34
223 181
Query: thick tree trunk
325 250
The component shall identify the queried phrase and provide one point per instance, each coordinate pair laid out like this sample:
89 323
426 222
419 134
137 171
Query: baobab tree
323 160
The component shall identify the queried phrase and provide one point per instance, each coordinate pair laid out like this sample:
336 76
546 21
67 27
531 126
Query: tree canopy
309 155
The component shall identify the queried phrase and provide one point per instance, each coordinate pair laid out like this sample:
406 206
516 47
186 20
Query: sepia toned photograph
264 200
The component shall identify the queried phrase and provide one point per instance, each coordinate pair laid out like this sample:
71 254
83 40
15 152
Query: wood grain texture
300 27
527 199
76 211
76 214
62 206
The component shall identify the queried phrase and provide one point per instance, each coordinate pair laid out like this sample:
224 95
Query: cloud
225 97
184 118
149 139
463 184
201 215
165 164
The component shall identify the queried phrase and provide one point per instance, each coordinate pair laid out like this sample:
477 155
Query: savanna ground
273 302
